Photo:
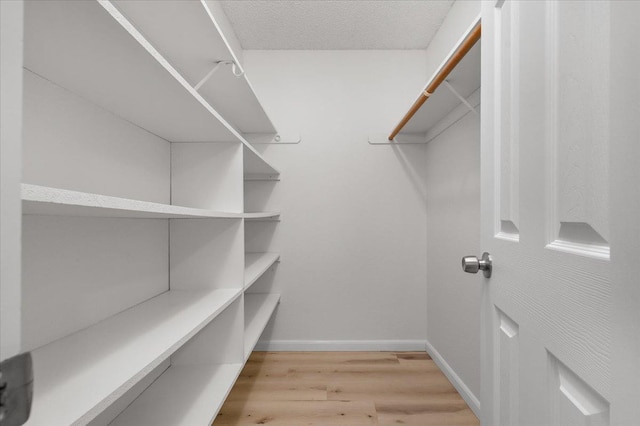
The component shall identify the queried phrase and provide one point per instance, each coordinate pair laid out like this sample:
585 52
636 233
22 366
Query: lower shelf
188 395
258 309
192 395
262 216
79 376
256 264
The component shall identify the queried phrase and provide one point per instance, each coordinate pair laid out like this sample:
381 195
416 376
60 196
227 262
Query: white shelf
98 55
255 166
258 308
465 78
82 374
188 36
91 49
261 178
256 264
184 395
261 215
43 200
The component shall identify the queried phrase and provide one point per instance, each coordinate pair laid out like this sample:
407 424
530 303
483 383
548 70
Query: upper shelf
188 35
97 54
255 166
91 49
465 79
459 73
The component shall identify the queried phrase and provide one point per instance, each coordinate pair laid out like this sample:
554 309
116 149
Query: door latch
16 389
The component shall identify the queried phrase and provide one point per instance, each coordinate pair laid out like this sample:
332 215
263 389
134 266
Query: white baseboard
341 345
472 401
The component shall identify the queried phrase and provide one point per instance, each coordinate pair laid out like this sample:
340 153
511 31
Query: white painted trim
341 345
506 236
472 401
594 251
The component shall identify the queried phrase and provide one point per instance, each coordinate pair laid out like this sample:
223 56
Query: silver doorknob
472 264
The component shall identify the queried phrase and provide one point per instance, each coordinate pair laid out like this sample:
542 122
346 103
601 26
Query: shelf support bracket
460 97
272 139
234 70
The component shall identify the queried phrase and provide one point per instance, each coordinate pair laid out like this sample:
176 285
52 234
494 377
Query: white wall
353 250
353 231
453 230
73 144
459 18
453 227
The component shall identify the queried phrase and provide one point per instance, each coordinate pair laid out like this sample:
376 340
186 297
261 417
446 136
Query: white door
561 212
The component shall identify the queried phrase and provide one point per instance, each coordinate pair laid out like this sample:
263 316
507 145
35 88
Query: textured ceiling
336 24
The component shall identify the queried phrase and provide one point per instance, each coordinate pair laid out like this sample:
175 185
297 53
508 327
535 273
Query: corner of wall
458 19
469 397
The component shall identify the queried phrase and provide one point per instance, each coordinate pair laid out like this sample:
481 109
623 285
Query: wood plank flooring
343 388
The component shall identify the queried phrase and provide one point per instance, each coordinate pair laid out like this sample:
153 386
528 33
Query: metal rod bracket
234 68
460 97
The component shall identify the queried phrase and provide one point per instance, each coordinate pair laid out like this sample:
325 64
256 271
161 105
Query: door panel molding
577 72
507 369
507 115
571 400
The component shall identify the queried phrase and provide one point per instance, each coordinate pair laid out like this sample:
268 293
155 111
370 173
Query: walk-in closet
322 213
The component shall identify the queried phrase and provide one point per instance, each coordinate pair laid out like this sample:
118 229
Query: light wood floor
343 388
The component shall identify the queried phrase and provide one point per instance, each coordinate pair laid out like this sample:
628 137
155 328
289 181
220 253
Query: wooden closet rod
457 56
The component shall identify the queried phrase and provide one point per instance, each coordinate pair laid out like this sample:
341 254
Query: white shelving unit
262 255
134 276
